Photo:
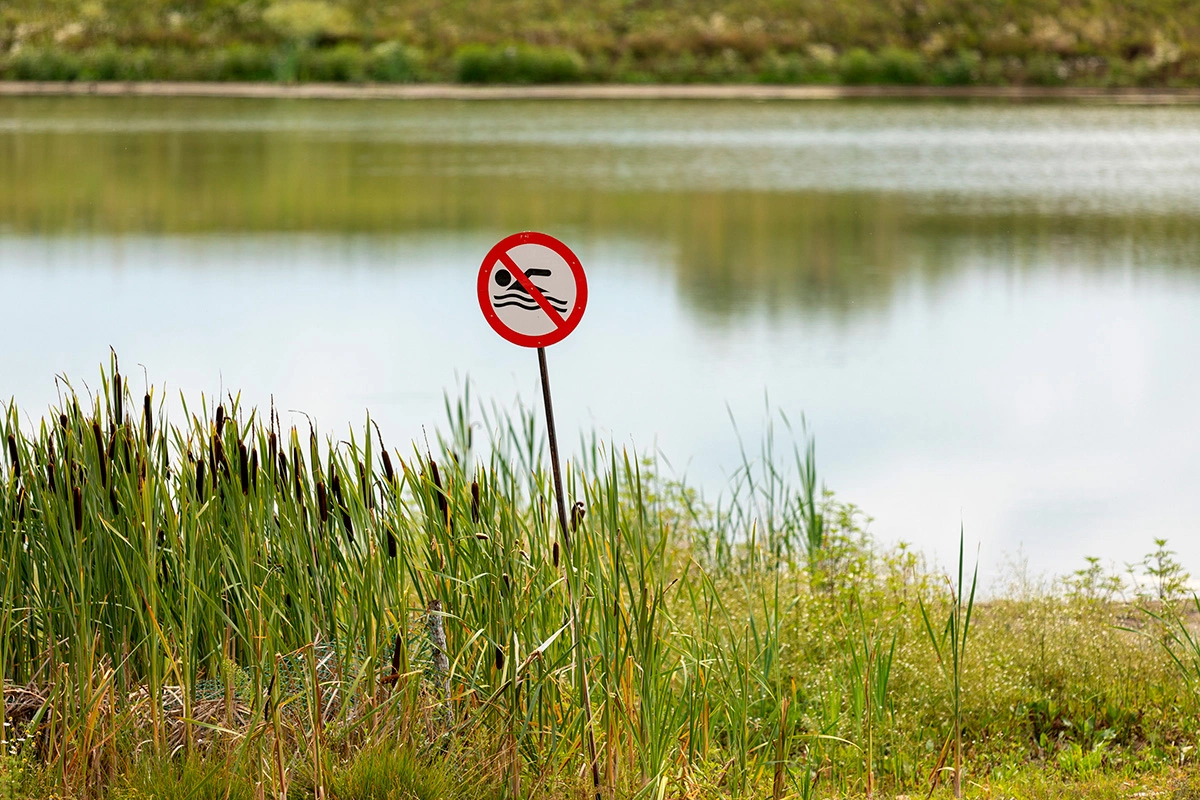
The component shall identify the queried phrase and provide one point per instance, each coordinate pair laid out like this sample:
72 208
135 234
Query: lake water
988 314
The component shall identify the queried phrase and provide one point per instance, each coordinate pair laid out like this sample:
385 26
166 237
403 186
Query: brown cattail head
475 501
64 433
244 467
21 504
507 581
200 480
117 412
220 419
50 467
322 502
499 658
148 419
577 515
391 542
254 468
272 444
387 465
14 456
555 553
77 506
100 456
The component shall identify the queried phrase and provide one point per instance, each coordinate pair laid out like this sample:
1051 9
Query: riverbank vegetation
226 607
943 42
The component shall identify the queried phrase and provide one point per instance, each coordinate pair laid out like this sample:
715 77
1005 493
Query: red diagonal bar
534 292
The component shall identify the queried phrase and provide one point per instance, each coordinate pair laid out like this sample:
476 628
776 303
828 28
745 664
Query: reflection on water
986 311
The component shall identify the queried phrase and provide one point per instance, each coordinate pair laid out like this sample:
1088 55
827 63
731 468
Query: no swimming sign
532 289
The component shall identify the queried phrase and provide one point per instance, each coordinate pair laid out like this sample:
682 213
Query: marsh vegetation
228 607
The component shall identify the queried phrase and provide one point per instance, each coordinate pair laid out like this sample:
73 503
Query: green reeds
950 646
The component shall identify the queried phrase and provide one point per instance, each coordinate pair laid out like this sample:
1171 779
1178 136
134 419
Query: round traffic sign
532 289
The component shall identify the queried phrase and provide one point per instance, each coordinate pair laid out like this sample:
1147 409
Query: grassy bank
228 608
944 42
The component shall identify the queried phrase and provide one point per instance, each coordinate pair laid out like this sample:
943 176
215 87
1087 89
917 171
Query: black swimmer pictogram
512 293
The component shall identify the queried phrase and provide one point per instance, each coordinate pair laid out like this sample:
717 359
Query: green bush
793 68
101 64
392 62
518 64
900 66
1045 70
681 68
857 67
138 65
999 71
781 69
345 63
42 64
960 69
724 67
241 62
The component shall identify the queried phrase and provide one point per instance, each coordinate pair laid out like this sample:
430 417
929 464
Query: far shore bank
450 91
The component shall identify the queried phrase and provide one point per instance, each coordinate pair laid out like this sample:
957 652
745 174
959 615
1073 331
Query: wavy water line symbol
514 294
526 302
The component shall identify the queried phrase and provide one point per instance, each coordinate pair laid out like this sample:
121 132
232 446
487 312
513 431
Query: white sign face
532 289
516 306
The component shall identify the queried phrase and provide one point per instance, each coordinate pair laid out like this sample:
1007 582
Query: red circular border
485 273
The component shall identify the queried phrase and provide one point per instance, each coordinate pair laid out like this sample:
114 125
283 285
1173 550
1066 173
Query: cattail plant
322 502
244 467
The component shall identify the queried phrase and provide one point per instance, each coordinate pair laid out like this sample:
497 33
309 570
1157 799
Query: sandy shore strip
450 91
